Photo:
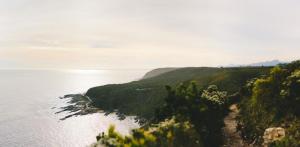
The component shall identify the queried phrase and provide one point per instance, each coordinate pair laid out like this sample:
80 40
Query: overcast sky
98 34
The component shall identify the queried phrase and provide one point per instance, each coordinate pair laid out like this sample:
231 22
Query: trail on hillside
231 135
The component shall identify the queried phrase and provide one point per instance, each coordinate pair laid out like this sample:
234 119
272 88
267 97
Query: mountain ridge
269 63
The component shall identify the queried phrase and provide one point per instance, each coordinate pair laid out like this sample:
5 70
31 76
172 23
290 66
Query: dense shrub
272 100
167 133
197 106
189 117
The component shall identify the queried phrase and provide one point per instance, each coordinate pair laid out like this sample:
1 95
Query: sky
126 34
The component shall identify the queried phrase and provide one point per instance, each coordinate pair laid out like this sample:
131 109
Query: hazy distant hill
157 72
264 63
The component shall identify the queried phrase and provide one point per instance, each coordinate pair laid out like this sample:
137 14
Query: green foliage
271 101
214 95
191 104
144 96
167 133
185 119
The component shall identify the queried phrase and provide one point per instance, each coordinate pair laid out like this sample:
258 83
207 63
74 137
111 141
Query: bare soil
231 135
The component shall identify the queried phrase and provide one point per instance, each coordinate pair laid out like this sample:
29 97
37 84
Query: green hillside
158 71
142 97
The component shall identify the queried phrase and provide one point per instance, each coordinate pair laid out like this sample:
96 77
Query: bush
272 100
184 120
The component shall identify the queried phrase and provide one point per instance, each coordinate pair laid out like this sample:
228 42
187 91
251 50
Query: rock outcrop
273 134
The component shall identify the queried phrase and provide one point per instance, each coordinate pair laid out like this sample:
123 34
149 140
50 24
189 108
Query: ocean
30 98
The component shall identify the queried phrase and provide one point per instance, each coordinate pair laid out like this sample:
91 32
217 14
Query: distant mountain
264 63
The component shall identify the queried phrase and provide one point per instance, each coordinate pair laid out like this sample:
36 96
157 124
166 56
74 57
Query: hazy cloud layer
146 33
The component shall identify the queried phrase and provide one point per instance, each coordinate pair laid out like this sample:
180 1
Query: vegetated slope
158 71
142 97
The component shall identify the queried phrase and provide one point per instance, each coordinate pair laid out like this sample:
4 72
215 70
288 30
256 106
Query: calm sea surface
27 98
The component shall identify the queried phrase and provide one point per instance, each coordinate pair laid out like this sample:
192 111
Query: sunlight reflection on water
27 98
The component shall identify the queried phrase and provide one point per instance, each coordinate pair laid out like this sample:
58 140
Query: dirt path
231 135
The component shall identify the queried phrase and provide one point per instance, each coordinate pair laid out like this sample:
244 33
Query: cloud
147 33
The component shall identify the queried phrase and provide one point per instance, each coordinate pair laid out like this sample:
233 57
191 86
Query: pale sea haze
30 98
